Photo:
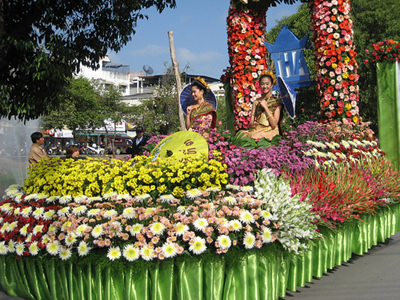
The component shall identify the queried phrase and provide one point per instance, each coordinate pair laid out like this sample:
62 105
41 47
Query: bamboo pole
175 65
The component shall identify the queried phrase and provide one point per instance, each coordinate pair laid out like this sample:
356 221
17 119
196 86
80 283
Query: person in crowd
72 152
37 152
138 142
266 112
202 111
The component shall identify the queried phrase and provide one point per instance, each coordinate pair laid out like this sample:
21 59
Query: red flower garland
336 67
388 50
246 29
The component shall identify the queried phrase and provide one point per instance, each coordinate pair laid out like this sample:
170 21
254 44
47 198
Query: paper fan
186 99
288 96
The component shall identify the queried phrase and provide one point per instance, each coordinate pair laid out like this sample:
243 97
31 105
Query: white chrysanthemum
17 211
93 212
81 229
31 197
37 229
80 210
131 253
97 231
94 199
12 226
230 200
19 248
38 213
110 195
266 215
167 198
45 239
247 189
266 235
71 239
24 230
345 144
66 226
236 225
200 224
34 249
157 228
11 248
141 198
183 209
249 240
4 227
214 189
169 250
3 248
193 194
65 199
246 217
198 246
129 213
42 196
83 248
181 229
224 241
53 229
52 199
114 253
136 229
110 213
53 248
63 211
80 198
233 187
48 215
18 198
123 197
65 253
147 253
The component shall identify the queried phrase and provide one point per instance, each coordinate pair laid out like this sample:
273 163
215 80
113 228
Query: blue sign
287 54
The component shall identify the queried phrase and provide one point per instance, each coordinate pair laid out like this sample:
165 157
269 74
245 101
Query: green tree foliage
373 21
86 105
43 42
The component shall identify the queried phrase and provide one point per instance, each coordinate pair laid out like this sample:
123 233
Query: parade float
241 220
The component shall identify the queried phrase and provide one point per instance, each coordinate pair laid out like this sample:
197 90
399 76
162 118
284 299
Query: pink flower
340 103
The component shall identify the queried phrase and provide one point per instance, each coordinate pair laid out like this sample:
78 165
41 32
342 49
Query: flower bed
161 216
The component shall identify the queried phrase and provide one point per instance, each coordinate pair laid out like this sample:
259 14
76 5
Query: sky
199 33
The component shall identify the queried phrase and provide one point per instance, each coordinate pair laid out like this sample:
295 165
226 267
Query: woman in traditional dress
266 111
203 111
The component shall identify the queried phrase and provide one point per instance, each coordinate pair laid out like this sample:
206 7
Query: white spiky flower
167 198
34 249
147 253
224 241
198 246
246 217
110 213
249 240
83 248
53 248
93 212
136 229
97 231
114 253
181 229
131 253
266 235
236 225
193 194
169 250
157 228
200 224
129 213
80 210
65 253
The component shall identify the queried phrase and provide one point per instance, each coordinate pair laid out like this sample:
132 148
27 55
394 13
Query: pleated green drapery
389 109
257 275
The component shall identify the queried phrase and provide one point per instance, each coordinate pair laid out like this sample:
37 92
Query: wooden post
175 65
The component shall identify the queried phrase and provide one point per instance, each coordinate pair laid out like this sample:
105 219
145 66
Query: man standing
36 151
138 141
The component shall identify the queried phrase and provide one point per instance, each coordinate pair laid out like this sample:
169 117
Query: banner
388 109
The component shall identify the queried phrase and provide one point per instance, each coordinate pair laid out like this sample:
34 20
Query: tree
42 43
86 105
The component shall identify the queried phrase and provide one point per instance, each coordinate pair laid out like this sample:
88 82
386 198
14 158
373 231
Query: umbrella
186 99
288 96
181 144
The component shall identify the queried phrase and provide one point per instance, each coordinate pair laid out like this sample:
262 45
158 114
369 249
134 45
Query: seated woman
266 111
72 152
203 111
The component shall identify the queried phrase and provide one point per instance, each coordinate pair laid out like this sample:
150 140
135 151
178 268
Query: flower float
336 67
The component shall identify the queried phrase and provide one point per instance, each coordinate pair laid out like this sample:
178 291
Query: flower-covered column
336 67
246 30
